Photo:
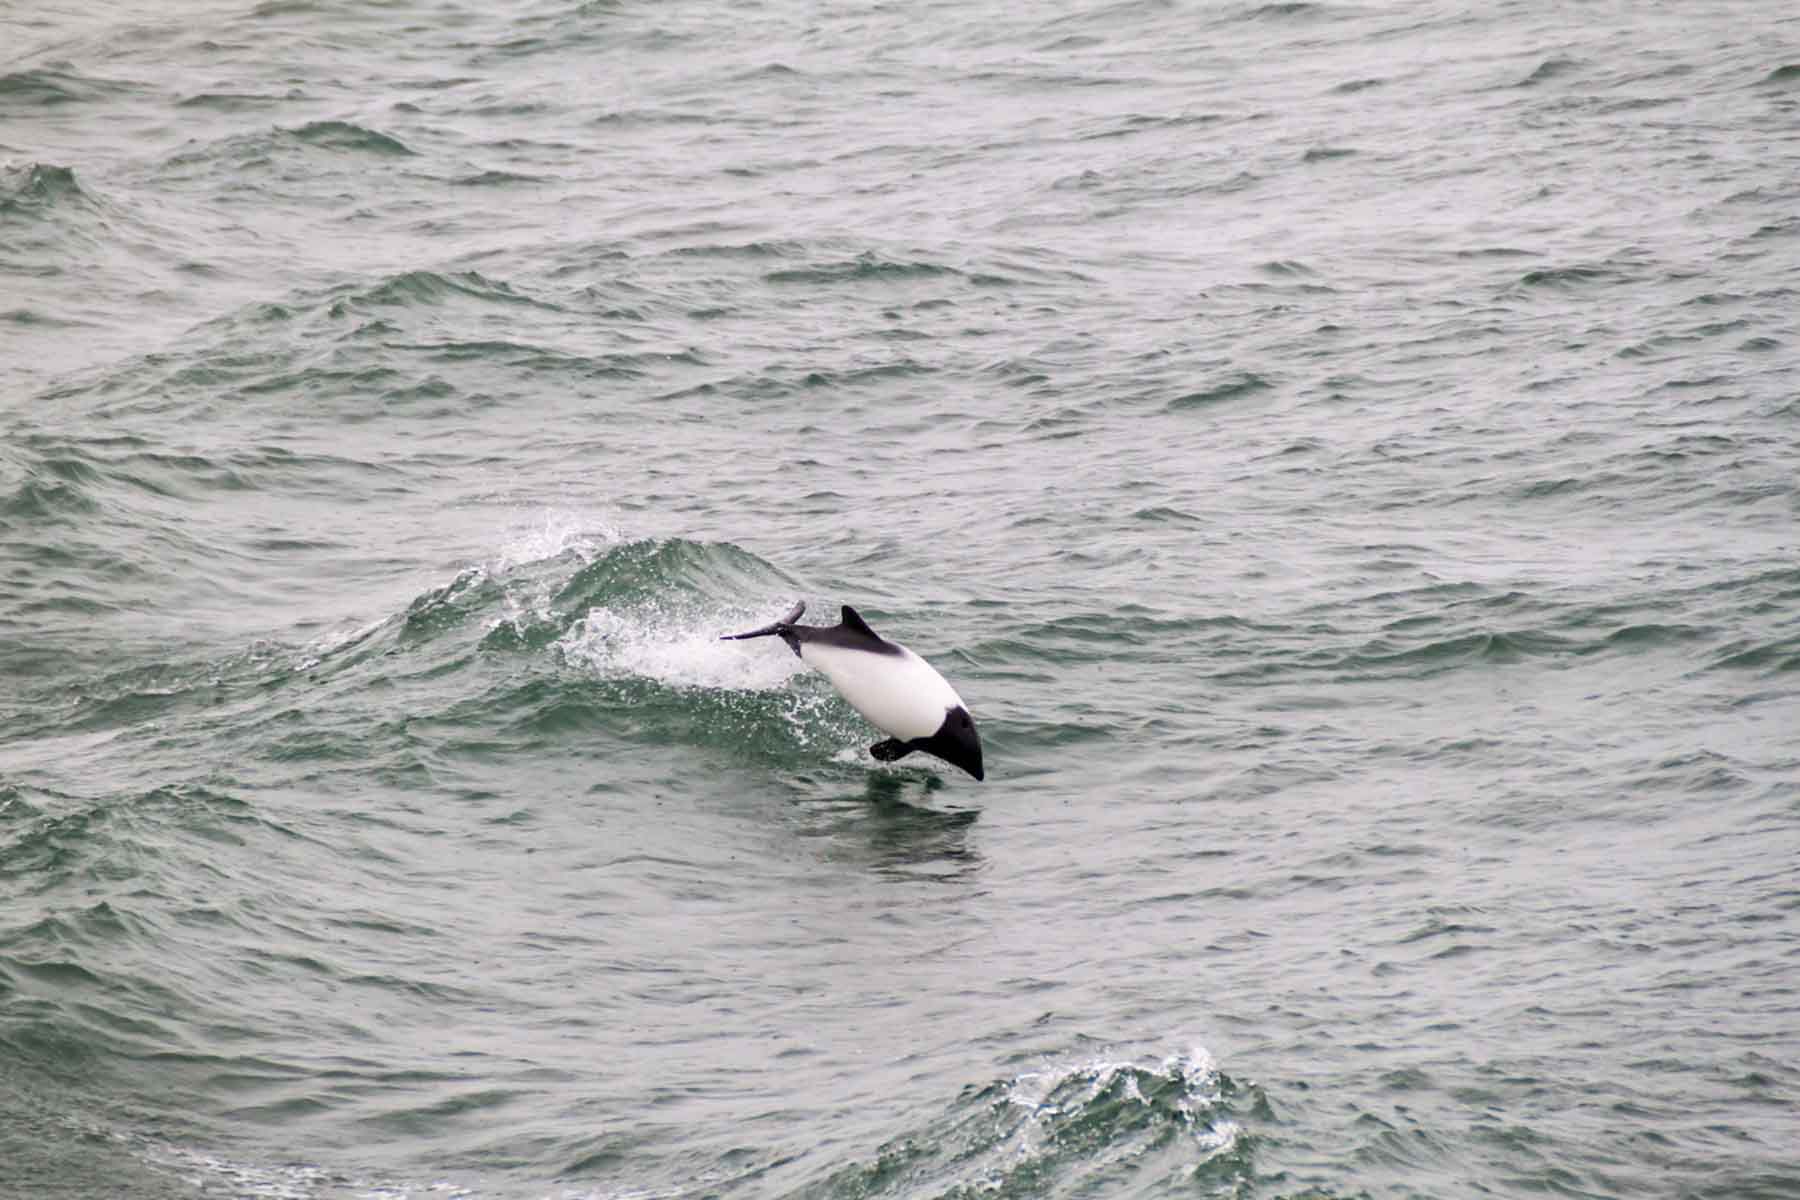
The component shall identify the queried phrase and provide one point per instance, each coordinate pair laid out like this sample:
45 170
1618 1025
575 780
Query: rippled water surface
1345 455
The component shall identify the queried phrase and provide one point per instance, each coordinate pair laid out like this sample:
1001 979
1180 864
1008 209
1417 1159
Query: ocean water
1346 455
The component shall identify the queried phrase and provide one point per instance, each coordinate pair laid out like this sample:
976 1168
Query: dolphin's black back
850 633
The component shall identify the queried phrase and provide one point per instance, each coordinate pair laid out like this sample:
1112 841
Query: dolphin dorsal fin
856 624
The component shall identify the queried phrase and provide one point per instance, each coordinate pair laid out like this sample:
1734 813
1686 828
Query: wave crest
1088 1128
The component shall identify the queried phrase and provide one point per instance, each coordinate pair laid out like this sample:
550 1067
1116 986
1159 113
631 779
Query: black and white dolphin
896 690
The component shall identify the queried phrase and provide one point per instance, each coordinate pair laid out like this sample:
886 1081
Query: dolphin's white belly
900 694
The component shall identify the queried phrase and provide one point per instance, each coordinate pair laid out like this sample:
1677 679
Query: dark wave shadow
889 826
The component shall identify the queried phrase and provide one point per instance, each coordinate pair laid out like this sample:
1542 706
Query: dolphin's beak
957 743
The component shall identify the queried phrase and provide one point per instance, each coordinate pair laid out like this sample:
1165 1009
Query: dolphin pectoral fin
770 630
890 750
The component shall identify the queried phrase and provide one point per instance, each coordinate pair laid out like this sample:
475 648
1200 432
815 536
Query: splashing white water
681 649
553 533
526 594
1198 1104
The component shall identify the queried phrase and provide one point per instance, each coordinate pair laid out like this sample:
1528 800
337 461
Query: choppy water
1345 455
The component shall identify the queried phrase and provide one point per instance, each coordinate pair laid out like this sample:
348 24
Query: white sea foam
553 533
290 1181
1198 1102
679 648
330 642
526 595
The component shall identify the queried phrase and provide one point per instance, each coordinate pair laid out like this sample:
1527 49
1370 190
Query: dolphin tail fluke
773 630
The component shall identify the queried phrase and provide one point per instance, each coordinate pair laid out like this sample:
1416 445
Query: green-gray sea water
1346 455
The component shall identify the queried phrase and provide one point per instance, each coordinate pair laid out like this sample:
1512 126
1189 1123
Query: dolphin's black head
956 741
